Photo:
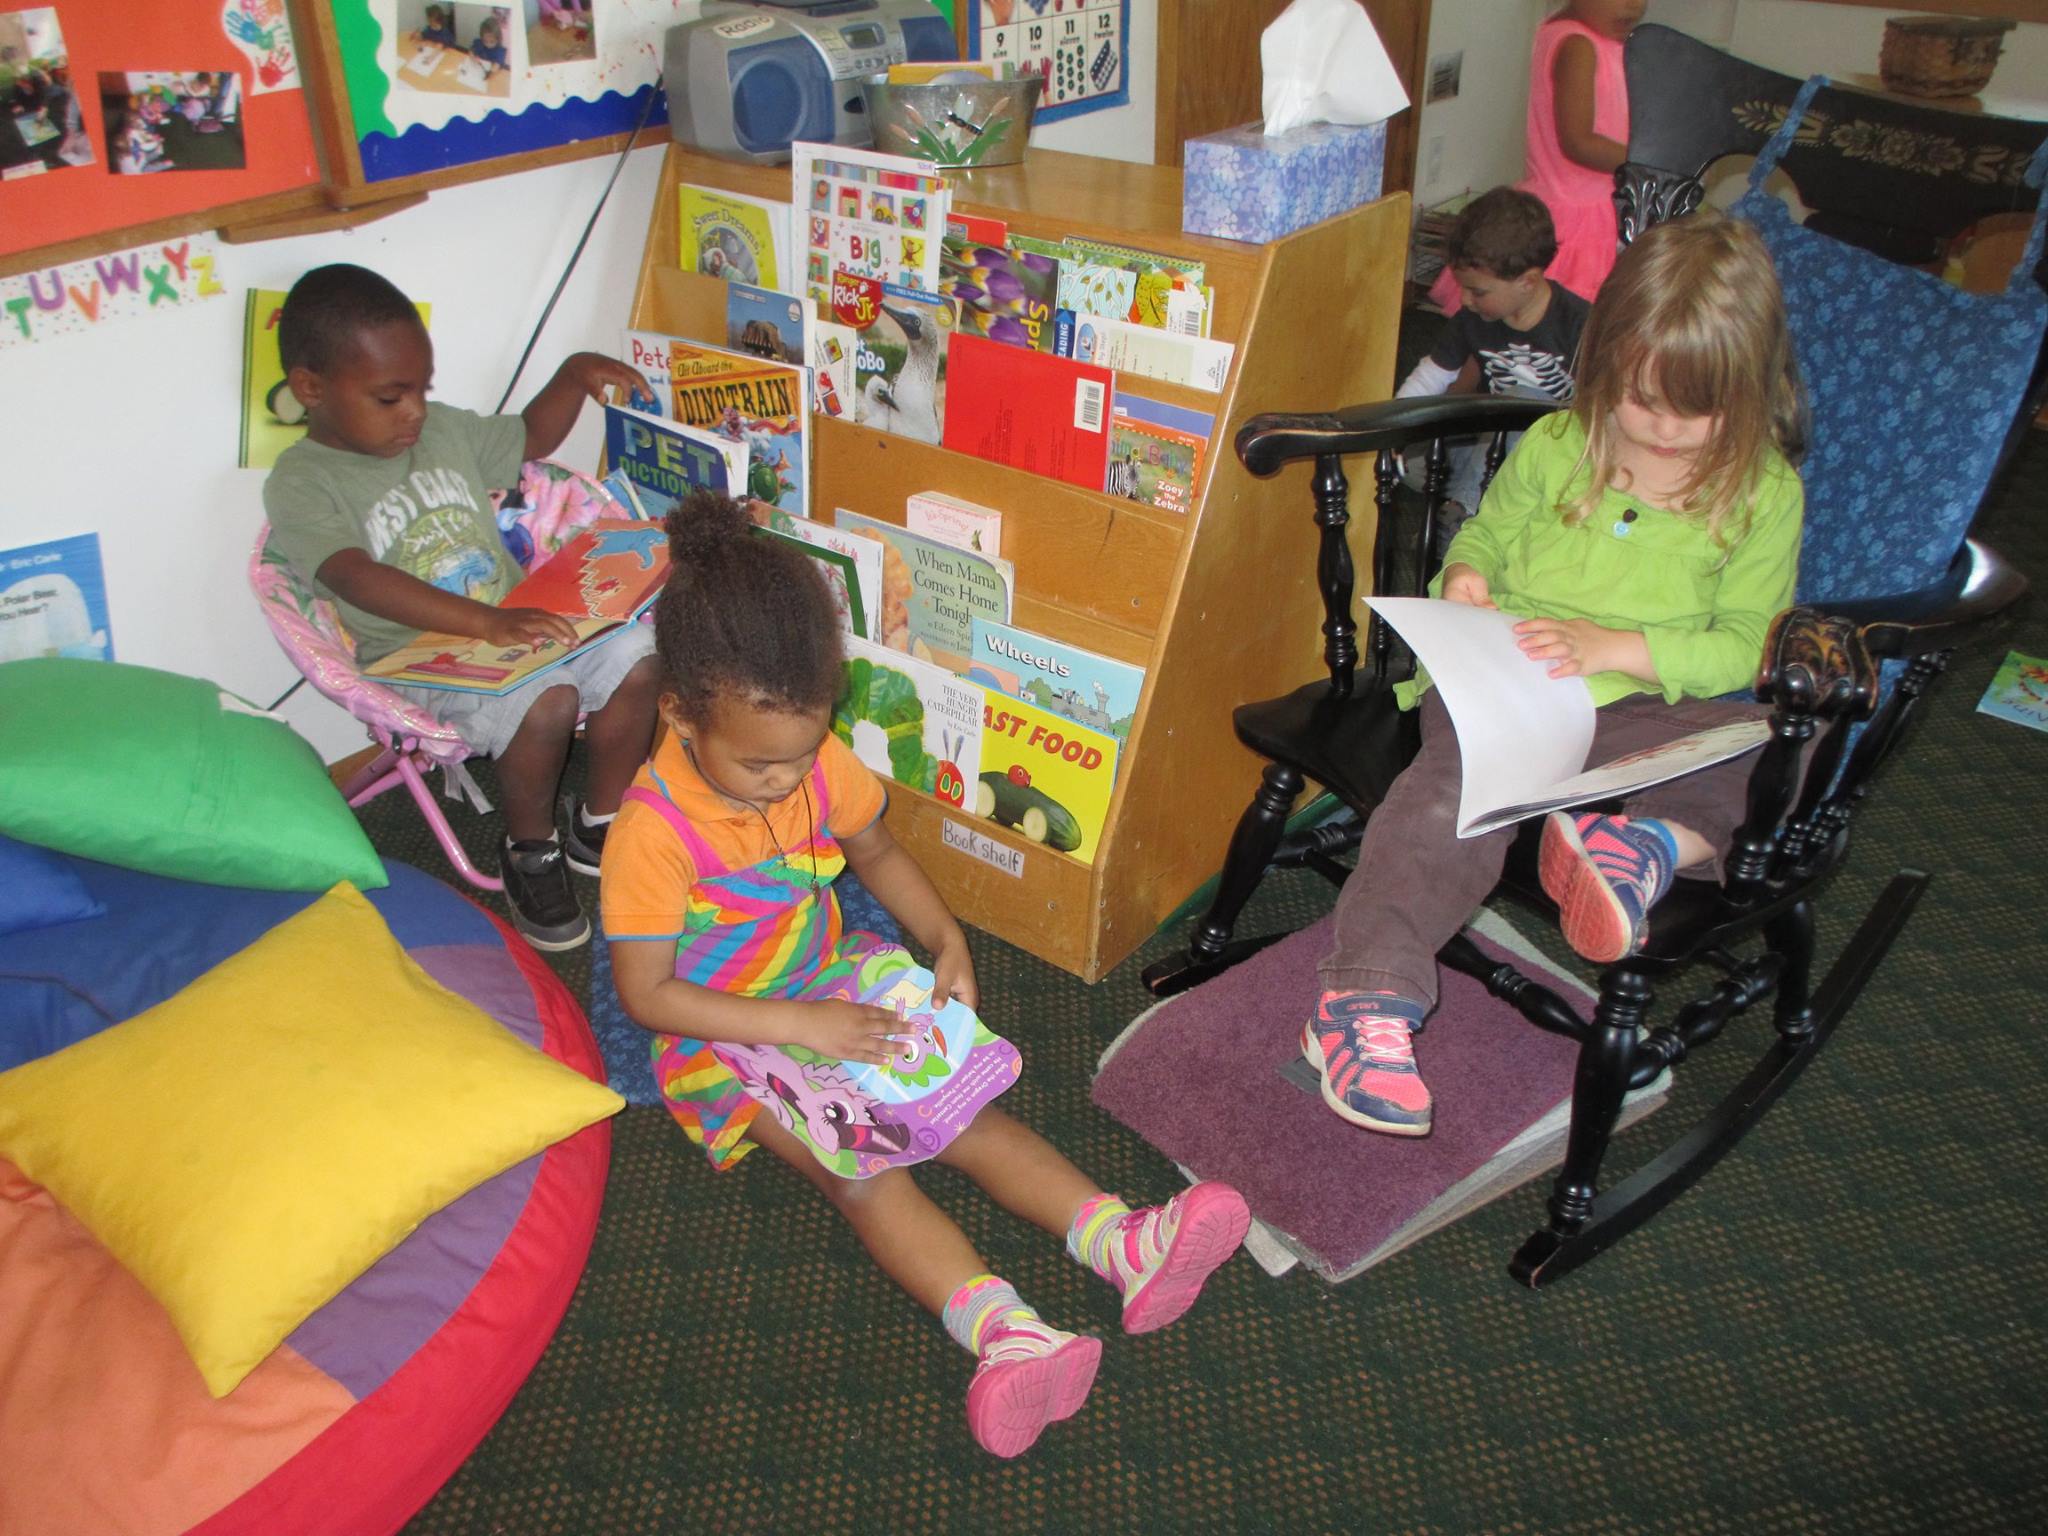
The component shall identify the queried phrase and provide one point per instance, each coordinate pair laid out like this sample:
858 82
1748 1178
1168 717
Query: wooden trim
320 220
2017 10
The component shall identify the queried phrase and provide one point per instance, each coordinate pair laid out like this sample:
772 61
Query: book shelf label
985 848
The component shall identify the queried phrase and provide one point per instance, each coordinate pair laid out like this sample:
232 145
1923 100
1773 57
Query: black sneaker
583 843
537 889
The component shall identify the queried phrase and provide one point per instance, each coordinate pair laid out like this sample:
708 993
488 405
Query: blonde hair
1691 321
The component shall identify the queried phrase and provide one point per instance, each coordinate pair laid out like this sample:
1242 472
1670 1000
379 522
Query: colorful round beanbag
170 774
376 1396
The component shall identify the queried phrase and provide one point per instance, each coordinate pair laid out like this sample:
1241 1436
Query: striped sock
1159 1258
1096 1239
988 1319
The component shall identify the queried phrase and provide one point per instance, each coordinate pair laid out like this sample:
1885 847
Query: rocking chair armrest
1267 442
1978 585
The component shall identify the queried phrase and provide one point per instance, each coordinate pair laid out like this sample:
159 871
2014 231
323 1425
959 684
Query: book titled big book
1028 409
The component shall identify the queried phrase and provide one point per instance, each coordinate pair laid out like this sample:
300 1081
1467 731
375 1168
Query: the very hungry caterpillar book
858 1119
601 580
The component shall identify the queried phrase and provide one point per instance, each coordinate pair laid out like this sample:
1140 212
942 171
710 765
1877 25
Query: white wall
130 430
1475 138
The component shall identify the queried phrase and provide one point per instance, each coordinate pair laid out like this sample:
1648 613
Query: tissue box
1241 185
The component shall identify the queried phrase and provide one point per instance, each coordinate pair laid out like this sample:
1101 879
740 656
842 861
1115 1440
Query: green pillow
172 776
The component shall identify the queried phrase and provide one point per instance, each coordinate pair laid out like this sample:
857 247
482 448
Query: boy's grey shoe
537 889
584 844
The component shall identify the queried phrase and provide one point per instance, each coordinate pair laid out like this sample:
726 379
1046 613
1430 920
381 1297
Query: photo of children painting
41 127
173 121
455 49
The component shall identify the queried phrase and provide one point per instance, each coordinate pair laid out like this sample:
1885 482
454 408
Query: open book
1523 734
601 580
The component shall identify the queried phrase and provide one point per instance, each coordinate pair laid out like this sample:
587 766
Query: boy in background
384 507
1518 332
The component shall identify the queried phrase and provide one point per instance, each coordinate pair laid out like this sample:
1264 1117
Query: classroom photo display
41 127
455 49
162 120
559 32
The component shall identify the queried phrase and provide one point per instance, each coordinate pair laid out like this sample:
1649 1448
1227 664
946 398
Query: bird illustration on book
908 403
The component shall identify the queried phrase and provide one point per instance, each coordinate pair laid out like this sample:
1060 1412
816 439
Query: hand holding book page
1524 735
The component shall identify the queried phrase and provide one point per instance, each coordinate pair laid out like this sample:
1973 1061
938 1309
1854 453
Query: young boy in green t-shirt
384 507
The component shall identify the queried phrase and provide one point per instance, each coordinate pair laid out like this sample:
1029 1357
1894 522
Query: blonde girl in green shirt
1646 537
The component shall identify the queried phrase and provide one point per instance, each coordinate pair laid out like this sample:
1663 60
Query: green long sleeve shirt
1703 609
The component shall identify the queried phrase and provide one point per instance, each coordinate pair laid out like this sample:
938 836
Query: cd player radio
748 80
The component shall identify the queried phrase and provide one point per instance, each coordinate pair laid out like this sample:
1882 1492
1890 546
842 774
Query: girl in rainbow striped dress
727 943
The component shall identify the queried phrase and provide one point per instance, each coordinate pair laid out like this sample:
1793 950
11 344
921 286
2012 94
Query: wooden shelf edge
320 220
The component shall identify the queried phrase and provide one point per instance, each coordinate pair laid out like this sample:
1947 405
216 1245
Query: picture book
1031 410
911 722
1169 293
1153 464
1004 293
2018 691
864 554
932 592
1524 734
601 580
900 362
1197 424
1045 775
956 521
874 215
666 460
829 348
857 1118
53 601
752 401
1077 685
646 352
272 418
1195 361
733 236
764 323
842 580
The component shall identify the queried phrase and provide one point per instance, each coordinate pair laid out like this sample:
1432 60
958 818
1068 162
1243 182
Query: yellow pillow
251 1145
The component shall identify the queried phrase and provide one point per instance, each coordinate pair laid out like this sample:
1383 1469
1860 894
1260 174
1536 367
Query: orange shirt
647 870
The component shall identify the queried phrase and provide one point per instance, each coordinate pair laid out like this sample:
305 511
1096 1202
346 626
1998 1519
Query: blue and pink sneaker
1361 1044
1605 873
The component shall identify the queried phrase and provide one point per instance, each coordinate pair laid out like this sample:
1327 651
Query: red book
1028 409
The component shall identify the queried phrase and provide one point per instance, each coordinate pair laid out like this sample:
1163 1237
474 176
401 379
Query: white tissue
1324 63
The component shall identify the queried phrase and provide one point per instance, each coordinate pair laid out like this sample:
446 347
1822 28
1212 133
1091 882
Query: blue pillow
40 890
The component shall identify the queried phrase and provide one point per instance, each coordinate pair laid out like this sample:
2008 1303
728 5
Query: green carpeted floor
1840 1329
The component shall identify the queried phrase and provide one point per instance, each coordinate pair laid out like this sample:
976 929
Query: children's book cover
733 236
858 1119
1169 293
863 554
272 418
667 460
53 601
1031 410
2018 691
842 580
829 347
752 401
875 215
1173 358
932 592
646 353
601 580
953 520
1045 775
1096 691
911 722
764 323
1158 413
1005 293
899 366
1155 465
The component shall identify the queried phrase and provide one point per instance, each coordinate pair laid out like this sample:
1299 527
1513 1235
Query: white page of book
1520 730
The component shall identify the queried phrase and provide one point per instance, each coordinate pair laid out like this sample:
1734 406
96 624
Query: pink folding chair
554 502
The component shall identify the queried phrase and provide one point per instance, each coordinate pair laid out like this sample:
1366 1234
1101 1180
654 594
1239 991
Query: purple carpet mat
1205 1078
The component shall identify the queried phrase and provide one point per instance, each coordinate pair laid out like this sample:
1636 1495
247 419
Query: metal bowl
967 121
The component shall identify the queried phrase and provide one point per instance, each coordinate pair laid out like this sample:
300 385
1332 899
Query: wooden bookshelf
1218 606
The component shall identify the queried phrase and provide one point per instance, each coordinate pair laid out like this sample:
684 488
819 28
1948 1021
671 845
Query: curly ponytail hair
742 615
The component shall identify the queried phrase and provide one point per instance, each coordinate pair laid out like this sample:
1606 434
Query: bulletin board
211 88
480 89
1081 47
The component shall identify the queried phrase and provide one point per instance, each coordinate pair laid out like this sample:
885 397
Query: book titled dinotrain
859 1119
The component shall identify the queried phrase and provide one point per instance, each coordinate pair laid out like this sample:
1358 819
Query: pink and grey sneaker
1605 873
1026 1379
1161 1256
1361 1044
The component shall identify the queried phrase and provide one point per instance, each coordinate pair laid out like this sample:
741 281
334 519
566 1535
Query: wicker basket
1939 56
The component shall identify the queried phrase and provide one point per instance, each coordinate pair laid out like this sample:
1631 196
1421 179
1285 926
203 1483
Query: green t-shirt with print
426 512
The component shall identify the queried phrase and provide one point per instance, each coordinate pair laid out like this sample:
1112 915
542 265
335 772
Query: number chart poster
1080 47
